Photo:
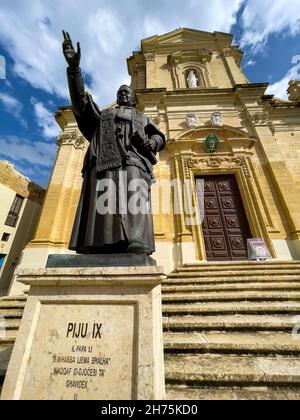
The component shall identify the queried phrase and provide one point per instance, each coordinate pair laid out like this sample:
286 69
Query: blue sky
268 31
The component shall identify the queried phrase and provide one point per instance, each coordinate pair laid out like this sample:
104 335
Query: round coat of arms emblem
211 143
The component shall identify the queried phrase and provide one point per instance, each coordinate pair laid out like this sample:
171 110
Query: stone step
185 393
232 342
12 324
211 308
9 337
231 287
228 265
231 322
230 296
208 370
21 298
11 313
230 280
234 273
12 305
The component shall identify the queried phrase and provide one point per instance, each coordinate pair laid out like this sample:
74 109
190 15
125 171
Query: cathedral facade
230 171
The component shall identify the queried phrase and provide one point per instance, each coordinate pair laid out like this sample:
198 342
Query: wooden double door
225 225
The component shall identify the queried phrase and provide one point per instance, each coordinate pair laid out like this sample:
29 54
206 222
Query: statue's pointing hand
72 57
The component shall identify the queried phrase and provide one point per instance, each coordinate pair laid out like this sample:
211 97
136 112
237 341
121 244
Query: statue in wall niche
192 80
114 211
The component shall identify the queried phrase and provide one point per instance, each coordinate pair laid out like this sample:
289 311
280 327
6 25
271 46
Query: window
14 212
5 237
2 258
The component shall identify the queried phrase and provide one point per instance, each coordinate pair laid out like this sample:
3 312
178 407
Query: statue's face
125 96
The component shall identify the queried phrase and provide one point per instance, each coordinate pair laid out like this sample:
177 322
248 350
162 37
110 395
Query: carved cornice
234 52
204 56
74 138
216 162
150 56
227 52
199 55
260 118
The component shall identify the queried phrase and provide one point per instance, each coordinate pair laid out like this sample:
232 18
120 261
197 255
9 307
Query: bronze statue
123 145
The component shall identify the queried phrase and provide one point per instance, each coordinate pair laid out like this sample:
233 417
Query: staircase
228 331
11 311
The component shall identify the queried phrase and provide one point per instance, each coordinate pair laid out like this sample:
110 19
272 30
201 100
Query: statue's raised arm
72 57
84 109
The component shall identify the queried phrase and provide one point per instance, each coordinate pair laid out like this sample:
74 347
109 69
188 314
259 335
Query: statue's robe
114 154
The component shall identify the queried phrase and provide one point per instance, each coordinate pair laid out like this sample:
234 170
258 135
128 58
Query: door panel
225 225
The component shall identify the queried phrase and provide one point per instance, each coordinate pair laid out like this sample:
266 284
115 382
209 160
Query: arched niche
200 72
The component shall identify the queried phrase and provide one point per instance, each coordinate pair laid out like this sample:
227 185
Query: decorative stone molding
237 55
256 118
227 52
150 56
204 56
294 90
198 55
234 52
157 120
260 118
216 162
74 138
192 120
160 118
217 119
244 118
174 59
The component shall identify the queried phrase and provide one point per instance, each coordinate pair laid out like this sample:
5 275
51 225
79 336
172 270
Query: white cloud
279 89
250 63
2 67
260 19
13 106
108 32
45 119
25 151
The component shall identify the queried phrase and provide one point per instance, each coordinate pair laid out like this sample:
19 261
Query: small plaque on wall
258 250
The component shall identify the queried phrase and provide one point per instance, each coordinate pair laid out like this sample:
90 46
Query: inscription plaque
89 334
88 352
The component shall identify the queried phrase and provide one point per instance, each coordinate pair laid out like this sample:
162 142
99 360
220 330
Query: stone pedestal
89 333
